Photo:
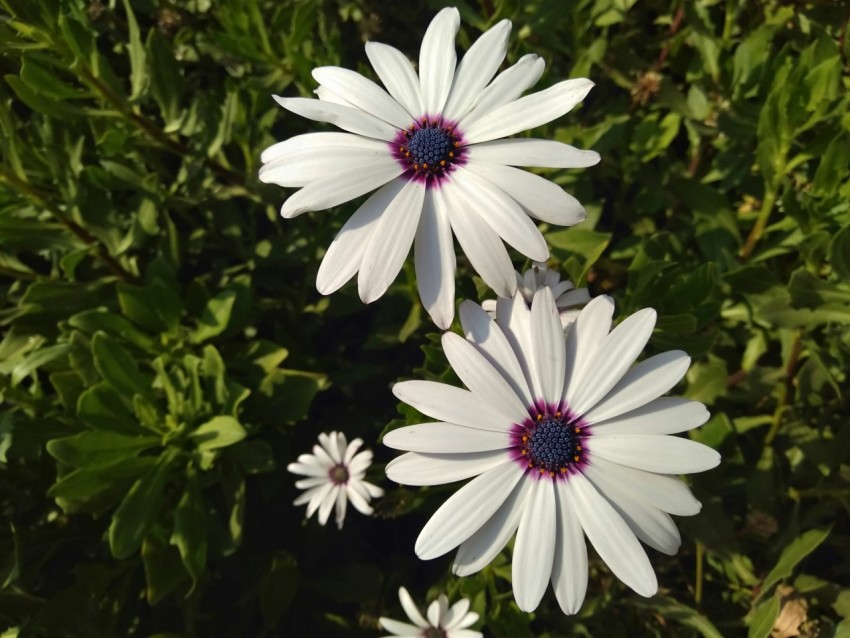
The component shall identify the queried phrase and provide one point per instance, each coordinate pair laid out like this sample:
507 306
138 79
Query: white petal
326 95
528 112
649 524
313 481
435 610
656 453
345 253
398 76
482 245
437 469
477 68
514 317
341 187
667 493
363 94
665 415
502 213
434 255
569 565
466 511
584 339
480 328
437 59
476 552
452 405
456 613
411 609
547 338
341 506
508 86
390 242
325 142
532 152
444 438
327 505
616 355
540 197
534 548
307 470
611 537
643 383
398 628
479 375
358 500
348 119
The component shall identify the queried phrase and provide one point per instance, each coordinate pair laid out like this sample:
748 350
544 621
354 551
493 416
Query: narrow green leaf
118 367
190 535
218 432
35 360
139 75
98 448
791 556
762 621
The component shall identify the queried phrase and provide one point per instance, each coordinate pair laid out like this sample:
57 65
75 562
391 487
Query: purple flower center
434 632
551 443
338 474
429 149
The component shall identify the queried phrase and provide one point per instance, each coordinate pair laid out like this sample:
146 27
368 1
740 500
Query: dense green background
164 352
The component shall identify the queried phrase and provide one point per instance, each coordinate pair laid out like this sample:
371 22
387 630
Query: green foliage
151 296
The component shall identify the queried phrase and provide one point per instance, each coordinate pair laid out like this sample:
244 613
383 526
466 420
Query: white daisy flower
564 438
442 621
566 295
335 476
430 143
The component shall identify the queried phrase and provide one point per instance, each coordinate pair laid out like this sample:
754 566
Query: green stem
761 222
787 387
699 577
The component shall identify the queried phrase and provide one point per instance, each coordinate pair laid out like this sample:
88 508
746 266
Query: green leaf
159 559
98 487
586 244
791 556
91 321
215 317
762 621
44 82
139 76
140 508
35 360
190 536
165 80
218 432
103 408
839 253
98 449
119 368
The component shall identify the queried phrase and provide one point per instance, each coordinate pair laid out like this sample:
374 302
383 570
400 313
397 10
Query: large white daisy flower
430 144
335 476
566 295
564 438
442 622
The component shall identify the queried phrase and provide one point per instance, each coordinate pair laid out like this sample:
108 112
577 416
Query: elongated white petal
569 565
479 241
452 405
341 187
357 495
503 214
325 142
479 375
532 152
390 242
477 68
640 385
398 76
348 119
611 537
437 469
542 199
399 628
667 493
534 548
583 341
411 609
476 552
362 93
654 453
617 353
508 86
665 415
434 256
514 317
345 253
649 524
547 338
301 168
326 95
528 112
445 438
456 614
437 59
466 511
480 328
327 505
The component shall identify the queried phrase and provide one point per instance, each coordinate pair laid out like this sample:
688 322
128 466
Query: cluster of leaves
149 297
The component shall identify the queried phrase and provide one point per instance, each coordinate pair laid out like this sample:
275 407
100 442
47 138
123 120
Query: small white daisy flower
430 143
442 622
566 295
564 437
335 476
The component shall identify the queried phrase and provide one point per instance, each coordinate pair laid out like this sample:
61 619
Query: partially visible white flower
335 476
563 438
431 147
442 622
566 295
